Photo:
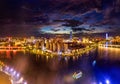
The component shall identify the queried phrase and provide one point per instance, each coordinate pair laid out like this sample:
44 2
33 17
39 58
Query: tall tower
106 36
71 35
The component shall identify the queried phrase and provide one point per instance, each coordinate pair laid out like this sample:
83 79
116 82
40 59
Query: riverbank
4 78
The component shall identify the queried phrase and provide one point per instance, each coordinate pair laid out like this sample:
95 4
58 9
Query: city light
100 83
14 75
94 63
107 81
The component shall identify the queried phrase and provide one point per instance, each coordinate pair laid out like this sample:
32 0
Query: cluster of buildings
116 40
56 44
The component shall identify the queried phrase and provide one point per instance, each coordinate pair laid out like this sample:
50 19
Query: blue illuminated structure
106 36
94 63
71 35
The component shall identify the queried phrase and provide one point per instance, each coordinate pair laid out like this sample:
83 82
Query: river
99 66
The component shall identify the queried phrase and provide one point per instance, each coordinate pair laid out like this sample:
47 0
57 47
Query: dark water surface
99 66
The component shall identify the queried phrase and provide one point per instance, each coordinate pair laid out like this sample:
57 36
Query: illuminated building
47 44
65 47
42 44
51 46
71 35
85 40
106 36
58 47
54 47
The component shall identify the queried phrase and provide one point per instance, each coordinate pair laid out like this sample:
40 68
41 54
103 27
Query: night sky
34 17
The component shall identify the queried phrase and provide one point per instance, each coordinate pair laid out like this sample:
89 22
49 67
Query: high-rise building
71 35
51 46
58 47
65 47
106 36
54 47
47 44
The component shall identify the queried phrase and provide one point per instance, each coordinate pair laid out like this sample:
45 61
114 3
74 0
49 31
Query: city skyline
59 41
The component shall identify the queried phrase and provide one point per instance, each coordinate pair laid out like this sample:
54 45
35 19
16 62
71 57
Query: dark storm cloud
79 29
14 7
18 30
70 23
72 13
55 29
77 5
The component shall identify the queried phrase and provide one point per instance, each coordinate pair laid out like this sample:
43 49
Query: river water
99 66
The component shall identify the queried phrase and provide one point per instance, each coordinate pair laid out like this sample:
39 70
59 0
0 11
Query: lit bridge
11 48
109 45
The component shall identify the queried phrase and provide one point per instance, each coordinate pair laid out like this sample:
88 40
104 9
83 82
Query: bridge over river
11 48
109 45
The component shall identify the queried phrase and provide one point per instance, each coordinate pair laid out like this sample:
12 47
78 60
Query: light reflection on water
59 70
109 53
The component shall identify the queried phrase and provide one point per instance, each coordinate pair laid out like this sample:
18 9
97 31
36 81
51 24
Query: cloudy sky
31 17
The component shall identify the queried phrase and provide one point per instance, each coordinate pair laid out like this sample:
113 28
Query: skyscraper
70 35
106 36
